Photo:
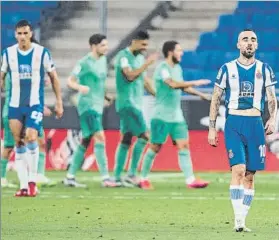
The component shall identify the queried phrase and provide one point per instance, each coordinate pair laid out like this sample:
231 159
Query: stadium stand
215 48
208 34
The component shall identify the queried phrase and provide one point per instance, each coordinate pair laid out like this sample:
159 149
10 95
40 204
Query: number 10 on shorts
37 116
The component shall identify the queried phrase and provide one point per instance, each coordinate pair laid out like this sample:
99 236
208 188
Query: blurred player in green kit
9 144
168 116
130 67
88 78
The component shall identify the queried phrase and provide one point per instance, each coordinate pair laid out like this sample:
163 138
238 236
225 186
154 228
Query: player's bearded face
177 54
247 44
23 35
141 46
102 47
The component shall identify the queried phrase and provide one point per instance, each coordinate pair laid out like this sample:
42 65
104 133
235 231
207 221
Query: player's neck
170 62
25 47
95 55
246 61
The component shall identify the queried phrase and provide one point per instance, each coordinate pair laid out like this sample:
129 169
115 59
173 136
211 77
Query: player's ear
238 45
256 45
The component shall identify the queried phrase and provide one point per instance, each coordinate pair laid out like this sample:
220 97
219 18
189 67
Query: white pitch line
138 197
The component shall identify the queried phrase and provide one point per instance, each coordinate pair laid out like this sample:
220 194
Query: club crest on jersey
231 155
259 74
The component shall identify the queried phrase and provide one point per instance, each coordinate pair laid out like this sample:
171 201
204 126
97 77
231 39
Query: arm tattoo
272 101
214 107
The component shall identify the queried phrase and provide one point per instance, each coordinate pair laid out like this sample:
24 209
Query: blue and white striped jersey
245 85
27 70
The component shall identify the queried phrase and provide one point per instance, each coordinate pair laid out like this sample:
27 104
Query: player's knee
127 139
182 145
85 142
99 137
42 144
238 172
7 152
31 136
156 147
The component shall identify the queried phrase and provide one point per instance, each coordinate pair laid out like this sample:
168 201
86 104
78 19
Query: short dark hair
141 35
168 46
96 39
23 23
247 30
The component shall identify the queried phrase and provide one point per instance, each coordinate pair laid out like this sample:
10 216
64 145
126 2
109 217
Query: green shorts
90 123
161 129
132 121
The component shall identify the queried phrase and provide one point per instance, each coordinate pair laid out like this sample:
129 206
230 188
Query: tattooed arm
214 109
272 108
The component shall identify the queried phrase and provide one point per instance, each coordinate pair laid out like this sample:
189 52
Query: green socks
101 158
77 161
42 162
137 153
4 163
120 158
147 163
185 164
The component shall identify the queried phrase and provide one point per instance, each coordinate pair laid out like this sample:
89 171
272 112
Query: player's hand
83 89
206 97
152 58
202 82
59 109
47 112
213 137
270 126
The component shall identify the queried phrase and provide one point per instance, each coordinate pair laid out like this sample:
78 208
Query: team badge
231 155
259 74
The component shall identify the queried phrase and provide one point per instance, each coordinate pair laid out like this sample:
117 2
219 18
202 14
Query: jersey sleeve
269 76
48 62
221 78
124 62
164 74
4 65
77 71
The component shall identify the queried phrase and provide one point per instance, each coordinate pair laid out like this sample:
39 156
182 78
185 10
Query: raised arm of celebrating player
195 92
148 86
132 74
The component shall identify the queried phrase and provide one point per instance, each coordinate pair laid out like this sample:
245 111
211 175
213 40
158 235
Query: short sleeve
77 71
4 65
48 62
165 74
269 76
124 63
221 78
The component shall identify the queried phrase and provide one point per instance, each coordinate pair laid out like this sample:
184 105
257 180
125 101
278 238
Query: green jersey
168 100
129 94
7 96
92 73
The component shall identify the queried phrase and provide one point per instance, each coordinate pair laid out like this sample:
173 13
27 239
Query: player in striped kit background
26 64
246 81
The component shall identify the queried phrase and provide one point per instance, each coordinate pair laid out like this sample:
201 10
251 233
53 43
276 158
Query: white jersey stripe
233 78
15 89
36 77
258 85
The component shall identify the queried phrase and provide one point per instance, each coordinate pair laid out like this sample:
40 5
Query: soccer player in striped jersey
26 64
246 81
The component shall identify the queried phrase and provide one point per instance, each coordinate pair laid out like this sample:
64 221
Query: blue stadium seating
216 48
13 11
